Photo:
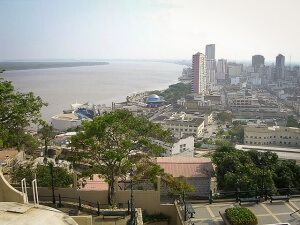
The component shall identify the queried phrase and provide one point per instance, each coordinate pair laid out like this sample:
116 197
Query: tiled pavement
266 212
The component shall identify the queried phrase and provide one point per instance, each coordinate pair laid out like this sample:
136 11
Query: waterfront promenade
267 213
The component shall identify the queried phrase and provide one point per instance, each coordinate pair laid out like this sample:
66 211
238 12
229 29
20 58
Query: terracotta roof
95 184
7 152
185 166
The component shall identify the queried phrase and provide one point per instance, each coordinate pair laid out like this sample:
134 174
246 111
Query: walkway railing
80 203
235 195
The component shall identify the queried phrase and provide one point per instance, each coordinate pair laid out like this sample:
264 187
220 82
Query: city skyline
153 29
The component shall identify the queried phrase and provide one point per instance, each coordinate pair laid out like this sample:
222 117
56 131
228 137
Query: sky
148 29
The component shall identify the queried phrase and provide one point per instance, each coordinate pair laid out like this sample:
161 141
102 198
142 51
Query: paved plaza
267 213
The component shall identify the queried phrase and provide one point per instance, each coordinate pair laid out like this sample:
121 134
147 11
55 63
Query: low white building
180 147
180 124
63 122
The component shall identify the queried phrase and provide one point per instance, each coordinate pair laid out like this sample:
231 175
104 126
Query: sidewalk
266 212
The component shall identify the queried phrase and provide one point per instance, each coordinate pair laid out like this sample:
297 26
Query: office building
210 72
280 67
275 136
199 74
221 69
257 62
210 51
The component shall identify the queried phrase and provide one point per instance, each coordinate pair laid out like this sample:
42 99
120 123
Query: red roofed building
198 171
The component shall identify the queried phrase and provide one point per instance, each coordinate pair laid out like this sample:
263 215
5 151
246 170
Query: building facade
257 62
274 136
199 74
221 69
210 51
280 67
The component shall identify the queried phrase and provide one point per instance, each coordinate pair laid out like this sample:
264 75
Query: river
102 84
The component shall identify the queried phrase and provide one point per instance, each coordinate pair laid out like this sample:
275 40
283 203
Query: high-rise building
257 61
210 51
221 69
280 67
199 74
210 72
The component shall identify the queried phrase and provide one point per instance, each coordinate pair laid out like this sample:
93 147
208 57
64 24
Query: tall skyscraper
210 72
257 61
210 51
221 69
199 74
280 67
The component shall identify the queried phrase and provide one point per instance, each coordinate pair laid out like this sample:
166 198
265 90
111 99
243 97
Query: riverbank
11 66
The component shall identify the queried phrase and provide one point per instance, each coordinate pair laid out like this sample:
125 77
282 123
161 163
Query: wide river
102 84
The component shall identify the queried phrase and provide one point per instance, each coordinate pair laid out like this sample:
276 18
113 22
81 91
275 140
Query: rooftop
185 166
22 214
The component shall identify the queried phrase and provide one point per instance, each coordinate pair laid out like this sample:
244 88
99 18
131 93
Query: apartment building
275 136
180 124
179 147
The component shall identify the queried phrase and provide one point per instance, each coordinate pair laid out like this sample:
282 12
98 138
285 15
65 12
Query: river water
102 84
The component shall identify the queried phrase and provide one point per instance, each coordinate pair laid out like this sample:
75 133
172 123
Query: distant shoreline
12 66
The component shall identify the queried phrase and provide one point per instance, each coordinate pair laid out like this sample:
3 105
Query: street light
263 161
45 160
132 216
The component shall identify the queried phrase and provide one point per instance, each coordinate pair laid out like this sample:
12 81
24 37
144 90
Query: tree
61 177
237 132
224 117
17 111
174 92
292 122
47 134
287 173
105 144
238 169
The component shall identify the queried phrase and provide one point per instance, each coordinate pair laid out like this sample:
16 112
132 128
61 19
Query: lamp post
51 165
132 210
263 161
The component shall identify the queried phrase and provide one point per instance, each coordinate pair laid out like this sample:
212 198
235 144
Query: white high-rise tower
199 74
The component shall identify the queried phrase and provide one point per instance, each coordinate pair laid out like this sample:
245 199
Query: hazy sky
148 29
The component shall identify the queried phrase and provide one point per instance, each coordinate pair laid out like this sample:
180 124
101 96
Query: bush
154 217
240 216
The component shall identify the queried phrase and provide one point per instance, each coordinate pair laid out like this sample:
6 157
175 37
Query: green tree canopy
105 144
61 177
243 170
174 92
17 111
292 122
224 117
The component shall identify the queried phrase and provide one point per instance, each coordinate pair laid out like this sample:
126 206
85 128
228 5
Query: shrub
154 217
240 216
